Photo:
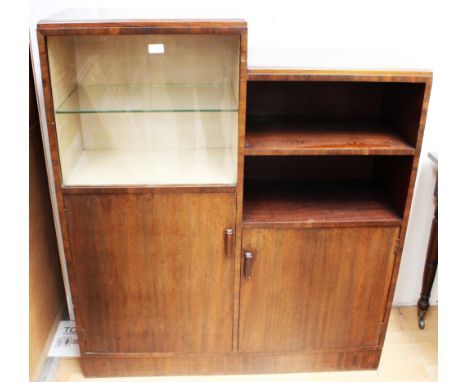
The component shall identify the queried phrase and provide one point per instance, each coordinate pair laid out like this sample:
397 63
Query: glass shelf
172 97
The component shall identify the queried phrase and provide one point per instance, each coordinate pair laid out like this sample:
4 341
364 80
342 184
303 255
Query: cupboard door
151 271
314 288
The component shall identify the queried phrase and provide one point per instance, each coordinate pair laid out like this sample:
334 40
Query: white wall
409 28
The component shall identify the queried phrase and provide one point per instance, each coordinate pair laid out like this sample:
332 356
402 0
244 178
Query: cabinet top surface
296 61
138 15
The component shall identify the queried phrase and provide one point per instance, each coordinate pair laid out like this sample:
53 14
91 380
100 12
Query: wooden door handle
228 241
248 258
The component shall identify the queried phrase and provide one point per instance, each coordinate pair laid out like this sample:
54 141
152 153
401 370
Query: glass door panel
146 110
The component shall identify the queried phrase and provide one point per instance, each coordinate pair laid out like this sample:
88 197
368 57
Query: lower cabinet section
151 271
320 288
155 288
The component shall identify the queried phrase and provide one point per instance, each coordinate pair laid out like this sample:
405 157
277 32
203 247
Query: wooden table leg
429 271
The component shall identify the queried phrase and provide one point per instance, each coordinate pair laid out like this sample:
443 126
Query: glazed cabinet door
305 289
151 271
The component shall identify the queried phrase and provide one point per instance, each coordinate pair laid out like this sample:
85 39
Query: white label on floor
65 343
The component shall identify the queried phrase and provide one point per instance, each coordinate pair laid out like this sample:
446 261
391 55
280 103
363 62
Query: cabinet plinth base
106 365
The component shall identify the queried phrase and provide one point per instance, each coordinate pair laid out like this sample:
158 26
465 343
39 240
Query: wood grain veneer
125 189
145 267
314 288
235 363
338 75
155 26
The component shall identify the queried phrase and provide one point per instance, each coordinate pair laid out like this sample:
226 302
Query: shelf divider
299 136
289 204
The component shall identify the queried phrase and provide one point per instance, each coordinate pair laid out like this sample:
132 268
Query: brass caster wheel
421 323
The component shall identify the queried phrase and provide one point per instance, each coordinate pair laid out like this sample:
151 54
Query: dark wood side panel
408 202
392 175
315 288
402 108
151 271
146 364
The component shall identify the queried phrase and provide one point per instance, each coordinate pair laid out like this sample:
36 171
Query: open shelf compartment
294 191
332 118
317 203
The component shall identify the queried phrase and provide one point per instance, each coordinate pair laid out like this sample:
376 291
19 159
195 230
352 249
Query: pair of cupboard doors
154 273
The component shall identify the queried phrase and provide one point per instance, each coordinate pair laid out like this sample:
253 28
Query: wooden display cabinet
182 258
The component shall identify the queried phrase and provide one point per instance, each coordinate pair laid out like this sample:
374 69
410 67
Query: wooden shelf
290 136
332 204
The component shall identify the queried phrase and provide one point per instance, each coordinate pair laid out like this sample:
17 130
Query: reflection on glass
154 98
126 116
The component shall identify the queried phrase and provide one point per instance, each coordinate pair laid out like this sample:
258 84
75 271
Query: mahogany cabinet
223 220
